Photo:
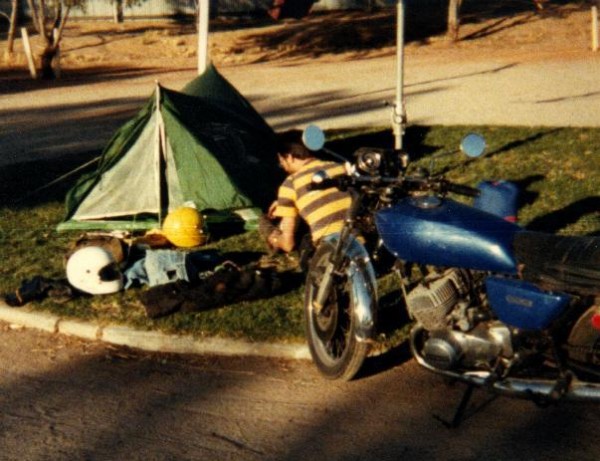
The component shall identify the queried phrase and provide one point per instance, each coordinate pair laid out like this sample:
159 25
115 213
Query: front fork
337 256
361 283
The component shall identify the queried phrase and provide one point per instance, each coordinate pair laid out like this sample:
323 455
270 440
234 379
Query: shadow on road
16 81
40 146
100 402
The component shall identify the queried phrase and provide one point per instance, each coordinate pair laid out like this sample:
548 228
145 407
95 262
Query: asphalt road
68 117
67 399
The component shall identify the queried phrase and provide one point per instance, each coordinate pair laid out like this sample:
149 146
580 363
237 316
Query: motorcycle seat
562 263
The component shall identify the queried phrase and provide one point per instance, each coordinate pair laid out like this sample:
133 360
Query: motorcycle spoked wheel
330 334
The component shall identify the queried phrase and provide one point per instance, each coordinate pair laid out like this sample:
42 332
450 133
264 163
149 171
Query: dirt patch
514 30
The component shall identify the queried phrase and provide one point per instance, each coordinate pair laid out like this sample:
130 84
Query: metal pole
203 15
399 114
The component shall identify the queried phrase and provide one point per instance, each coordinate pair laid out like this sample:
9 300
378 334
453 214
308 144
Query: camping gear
38 288
115 244
205 144
158 267
183 227
228 284
93 270
498 197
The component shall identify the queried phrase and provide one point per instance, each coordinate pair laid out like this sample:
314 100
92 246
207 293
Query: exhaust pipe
532 389
551 390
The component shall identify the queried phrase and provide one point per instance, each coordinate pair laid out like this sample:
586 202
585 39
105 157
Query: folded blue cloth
164 266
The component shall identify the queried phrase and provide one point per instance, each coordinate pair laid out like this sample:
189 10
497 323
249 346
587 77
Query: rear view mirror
473 145
313 138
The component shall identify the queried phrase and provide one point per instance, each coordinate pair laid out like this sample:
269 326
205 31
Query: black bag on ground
164 299
38 288
227 285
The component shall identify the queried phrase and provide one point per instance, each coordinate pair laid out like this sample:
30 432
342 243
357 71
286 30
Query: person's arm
271 211
283 238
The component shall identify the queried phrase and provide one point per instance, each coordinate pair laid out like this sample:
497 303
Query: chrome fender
363 284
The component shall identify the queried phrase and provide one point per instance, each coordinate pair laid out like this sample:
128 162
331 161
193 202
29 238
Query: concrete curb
153 341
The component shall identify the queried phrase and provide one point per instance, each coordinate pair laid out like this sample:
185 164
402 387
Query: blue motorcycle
494 305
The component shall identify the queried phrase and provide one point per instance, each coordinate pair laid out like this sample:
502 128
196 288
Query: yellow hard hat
183 227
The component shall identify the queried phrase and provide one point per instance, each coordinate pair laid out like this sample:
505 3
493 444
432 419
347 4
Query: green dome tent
205 145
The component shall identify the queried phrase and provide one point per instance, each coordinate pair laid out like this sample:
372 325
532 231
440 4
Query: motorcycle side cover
524 305
442 232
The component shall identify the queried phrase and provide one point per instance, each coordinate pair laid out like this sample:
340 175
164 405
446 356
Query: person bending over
323 211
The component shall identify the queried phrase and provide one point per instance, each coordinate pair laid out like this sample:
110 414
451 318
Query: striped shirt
323 210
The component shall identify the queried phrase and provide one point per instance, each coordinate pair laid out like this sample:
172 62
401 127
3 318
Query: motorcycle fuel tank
442 232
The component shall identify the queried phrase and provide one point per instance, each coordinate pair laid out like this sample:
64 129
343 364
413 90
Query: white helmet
93 270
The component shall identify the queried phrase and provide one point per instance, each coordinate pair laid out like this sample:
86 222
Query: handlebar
462 190
407 183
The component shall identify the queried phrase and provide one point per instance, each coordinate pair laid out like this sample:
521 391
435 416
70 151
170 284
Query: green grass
557 170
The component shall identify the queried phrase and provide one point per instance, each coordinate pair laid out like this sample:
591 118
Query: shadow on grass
570 214
524 183
524 141
412 142
527 197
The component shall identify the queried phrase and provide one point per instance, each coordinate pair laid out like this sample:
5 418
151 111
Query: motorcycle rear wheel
331 333
583 346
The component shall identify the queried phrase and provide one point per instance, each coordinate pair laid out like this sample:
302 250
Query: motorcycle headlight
369 161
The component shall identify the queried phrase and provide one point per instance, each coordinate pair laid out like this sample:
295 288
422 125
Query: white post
595 28
203 15
27 47
399 115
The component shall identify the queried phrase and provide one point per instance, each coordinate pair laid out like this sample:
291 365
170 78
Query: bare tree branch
12 29
34 16
63 21
42 23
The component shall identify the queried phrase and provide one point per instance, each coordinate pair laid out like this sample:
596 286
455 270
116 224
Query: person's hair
290 142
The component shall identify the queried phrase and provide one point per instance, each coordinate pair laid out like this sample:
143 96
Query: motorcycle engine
479 348
441 304
431 301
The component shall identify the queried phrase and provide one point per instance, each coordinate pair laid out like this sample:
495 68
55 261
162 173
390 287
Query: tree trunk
453 19
46 58
57 15
118 13
14 19
52 42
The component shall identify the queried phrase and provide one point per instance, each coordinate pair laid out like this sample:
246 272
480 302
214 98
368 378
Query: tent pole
203 15
399 112
157 155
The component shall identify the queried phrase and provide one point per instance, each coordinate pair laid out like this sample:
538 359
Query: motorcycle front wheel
331 332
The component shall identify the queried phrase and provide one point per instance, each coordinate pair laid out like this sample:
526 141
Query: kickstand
460 410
